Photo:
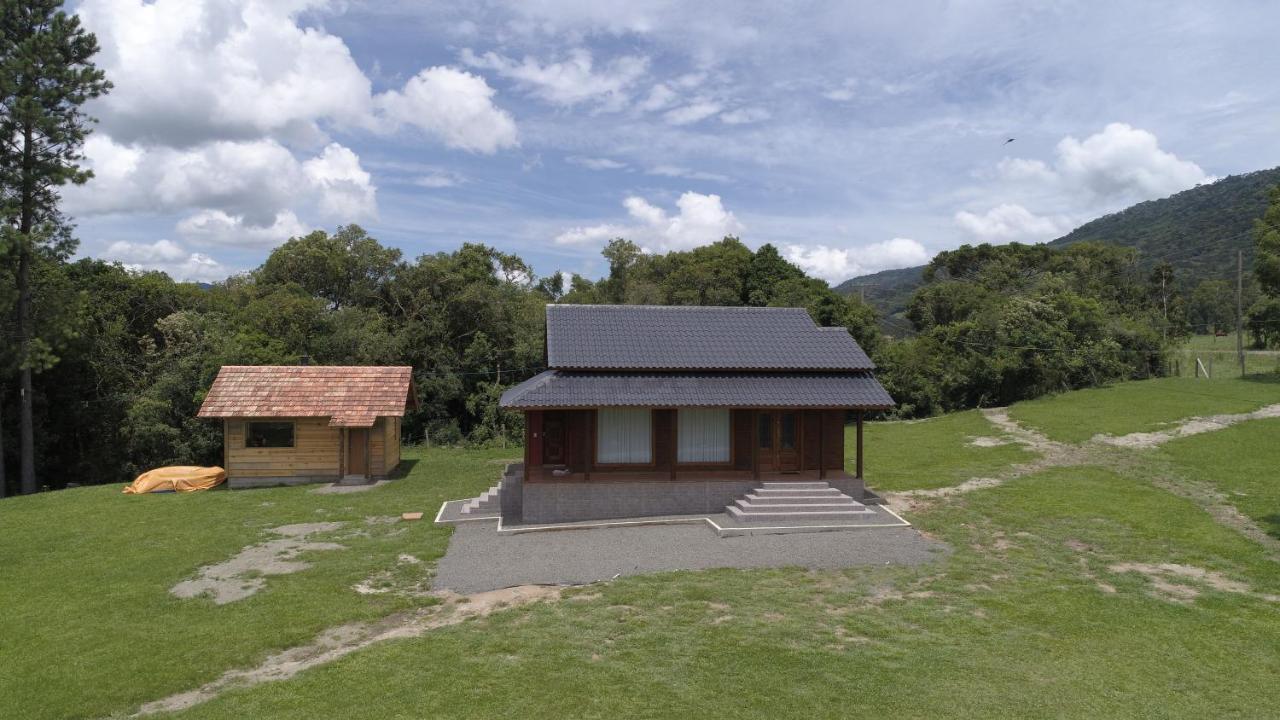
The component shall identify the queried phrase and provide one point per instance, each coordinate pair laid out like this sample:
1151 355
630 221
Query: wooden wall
821 439
391 426
315 451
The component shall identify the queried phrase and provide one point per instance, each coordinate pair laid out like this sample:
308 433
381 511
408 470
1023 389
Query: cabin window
268 435
703 435
623 436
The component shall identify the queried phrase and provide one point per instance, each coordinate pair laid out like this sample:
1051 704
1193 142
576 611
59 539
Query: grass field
1218 355
1057 598
931 453
1144 405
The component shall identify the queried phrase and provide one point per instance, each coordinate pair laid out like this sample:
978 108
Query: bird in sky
1006 142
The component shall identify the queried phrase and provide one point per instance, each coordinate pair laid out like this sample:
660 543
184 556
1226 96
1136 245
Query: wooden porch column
755 438
822 454
675 451
859 433
589 452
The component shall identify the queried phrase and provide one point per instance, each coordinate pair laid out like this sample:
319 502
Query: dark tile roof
349 396
648 337
561 389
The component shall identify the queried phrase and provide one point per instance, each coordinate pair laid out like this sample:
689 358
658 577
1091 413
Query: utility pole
1240 309
1164 299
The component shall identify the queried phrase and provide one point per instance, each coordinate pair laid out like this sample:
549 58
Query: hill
1198 231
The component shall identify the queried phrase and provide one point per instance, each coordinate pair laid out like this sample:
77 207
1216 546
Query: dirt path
1186 428
1100 450
246 572
1049 454
343 640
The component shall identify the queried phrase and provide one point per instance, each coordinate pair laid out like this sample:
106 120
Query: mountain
1198 231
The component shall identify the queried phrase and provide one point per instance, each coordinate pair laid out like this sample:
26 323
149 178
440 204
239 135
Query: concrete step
796 484
740 515
797 499
799 492
485 502
847 504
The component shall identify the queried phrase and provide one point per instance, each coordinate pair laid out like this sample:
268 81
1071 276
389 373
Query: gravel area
479 559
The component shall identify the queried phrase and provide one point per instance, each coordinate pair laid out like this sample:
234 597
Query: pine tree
46 76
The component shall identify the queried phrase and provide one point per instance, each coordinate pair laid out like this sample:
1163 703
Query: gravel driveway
480 559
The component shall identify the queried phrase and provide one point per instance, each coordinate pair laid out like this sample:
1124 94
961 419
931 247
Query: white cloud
681 172
1119 163
190 71
701 219
238 192
742 116
346 191
169 257
591 163
452 105
660 96
837 264
844 92
437 179
1009 222
692 112
216 227
572 81
187 71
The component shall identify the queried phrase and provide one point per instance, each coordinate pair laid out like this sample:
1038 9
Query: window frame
595 445
728 462
293 434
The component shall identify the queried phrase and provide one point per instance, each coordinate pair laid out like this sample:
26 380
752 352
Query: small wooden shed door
357 455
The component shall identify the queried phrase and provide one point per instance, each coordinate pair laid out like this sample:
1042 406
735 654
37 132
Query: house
288 425
648 410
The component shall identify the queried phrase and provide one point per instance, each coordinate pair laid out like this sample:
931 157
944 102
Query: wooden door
788 441
553 448
357 451
766 447
777 441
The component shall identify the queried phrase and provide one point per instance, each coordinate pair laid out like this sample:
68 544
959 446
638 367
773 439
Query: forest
126 356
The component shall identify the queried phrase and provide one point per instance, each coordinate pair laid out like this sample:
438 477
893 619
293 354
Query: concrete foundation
244 483
555 502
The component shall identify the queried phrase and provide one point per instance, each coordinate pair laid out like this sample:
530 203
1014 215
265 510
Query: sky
854 136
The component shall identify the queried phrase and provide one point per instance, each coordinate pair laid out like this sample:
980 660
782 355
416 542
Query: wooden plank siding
820 439
315 452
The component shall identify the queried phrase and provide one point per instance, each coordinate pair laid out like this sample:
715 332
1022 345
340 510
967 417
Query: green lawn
1240 462
1013 624
1031 614
1143 406
89 626
1218 354
930 453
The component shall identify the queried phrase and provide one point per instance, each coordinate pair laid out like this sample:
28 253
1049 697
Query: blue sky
854 136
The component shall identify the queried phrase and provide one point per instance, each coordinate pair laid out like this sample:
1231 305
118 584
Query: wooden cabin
289 425
649 410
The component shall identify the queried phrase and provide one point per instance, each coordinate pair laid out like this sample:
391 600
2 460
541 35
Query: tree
46 75
1213 305
1266 233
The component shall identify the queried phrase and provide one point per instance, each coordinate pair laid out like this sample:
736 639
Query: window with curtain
703 435
623 436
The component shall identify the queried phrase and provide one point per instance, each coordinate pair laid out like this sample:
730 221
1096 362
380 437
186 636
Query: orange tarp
179 478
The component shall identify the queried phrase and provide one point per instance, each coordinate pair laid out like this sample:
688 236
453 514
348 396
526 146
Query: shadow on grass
1271 524
405 467
1267 378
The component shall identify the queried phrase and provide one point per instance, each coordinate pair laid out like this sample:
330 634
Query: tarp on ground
178 478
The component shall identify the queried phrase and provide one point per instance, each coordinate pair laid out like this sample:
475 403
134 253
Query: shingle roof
350 396
563 389
648 337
